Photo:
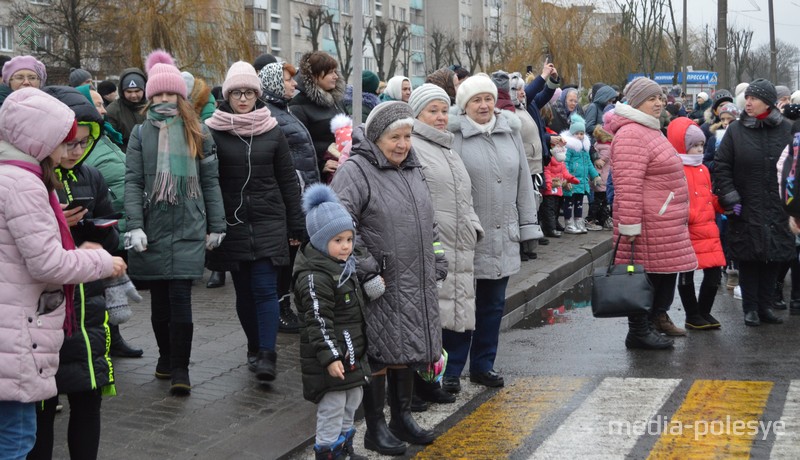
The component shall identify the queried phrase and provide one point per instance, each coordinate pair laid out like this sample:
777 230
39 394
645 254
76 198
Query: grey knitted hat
501 80
78 76
640 89
424 95
271 76
325 215
383 115
763 89
783 91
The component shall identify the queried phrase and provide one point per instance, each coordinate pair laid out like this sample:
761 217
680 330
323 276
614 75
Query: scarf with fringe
176 168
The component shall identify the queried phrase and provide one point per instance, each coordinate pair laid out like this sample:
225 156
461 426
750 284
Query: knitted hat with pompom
163 76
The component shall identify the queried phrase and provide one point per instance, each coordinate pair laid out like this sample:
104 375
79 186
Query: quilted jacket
458 225
395 223
579 163
502 190
651 196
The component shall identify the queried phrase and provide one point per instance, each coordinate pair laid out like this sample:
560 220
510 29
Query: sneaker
608 224
662 323
733 278
737 292
592 227
581 224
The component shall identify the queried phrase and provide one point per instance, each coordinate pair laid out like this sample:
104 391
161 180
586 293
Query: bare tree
705 47
437 46
313 21
473 47
677 44
739 51
789 56
386 37
343 41
401 34
643 22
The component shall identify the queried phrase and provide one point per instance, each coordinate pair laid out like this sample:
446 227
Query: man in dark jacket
538 94
703 103
125 112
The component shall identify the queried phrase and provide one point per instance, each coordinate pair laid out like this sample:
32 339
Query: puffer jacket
175 234
651 199
261 196
703 204
33 262
556 170
502 190
315 108
458 225
579 163
395 224
529 133
301 146
744 172
594 111
109 159
603 150
123 114
334 324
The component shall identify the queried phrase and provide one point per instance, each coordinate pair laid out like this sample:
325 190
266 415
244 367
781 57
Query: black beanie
763 89
263 60
106 87
720 96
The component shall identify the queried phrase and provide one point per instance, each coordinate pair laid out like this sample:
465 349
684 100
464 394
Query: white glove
136 240
213 240
375 287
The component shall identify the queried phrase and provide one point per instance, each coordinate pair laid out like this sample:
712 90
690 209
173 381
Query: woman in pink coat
38 261
651 206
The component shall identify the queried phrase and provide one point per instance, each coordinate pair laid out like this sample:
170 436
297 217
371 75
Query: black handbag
621 290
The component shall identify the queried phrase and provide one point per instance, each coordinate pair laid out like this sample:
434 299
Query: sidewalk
229 415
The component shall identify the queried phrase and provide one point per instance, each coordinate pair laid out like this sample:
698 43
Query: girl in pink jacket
38 261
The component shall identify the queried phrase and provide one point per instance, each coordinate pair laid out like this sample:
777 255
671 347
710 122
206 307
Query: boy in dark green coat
332 343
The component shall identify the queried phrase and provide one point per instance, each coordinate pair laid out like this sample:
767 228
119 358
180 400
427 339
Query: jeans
257 303
663 291
481 345
17 429
171 301
83 431
757 281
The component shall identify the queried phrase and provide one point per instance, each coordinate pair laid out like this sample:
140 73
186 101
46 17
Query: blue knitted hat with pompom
325 216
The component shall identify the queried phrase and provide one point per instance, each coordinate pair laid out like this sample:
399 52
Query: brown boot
663 324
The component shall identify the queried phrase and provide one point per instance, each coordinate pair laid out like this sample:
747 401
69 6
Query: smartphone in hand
529 69
80 202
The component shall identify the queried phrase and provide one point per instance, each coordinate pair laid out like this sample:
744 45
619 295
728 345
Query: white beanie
703 95
476 84
189 79
740 88
241 75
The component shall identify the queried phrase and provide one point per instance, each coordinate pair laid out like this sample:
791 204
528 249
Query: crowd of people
385 238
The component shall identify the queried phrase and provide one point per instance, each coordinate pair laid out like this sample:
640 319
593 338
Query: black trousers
548 213
663 291
83 431
757 281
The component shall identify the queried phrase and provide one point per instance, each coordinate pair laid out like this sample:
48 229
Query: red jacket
556 170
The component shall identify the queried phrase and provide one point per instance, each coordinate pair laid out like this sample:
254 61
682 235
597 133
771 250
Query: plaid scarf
176 168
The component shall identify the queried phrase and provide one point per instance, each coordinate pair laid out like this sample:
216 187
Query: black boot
705 300
378 437
180 335
265 365
217 279
348 446
402 424
780 302
119 347
694 320
289 321
163 367
431 392
642 335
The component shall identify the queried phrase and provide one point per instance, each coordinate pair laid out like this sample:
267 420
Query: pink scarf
66 240
257 122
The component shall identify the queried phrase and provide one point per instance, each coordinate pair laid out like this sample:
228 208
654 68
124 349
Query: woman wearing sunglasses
261 195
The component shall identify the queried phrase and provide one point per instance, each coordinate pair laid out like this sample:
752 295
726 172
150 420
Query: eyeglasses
22 78
249 94
83 144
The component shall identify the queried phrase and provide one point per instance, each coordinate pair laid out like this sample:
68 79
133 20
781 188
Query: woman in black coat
745 180
261 195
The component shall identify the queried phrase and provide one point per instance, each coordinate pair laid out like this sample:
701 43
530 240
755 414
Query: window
417 43
346 7
366 7
6 38
274 7
326 32
419 69
394 12
369 63
45 41
275 38
259 19
463 21
298 55
402 14
296 27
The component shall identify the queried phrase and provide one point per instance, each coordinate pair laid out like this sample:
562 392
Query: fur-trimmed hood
624 114
506 122
573 143
307 85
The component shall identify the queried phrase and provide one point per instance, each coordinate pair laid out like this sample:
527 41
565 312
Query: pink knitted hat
18 63
162 75
241 75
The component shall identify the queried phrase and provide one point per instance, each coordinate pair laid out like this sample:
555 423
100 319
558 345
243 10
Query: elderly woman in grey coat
383 188
490 146
458 225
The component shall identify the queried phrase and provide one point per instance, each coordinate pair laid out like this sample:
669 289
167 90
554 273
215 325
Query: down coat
458 225
651 198
502 190
394 218
579 163
744 172
301 146
33 262
261 196
703 204
175 234
334 324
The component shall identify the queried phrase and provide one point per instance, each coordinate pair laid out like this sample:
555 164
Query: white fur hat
473 85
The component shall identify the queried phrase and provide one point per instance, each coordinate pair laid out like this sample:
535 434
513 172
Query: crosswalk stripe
718 419
590 431
787 435
500 425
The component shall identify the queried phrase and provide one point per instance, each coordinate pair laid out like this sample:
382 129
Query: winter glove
597 181
118 291
737 209
213 240
374 287
136 240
